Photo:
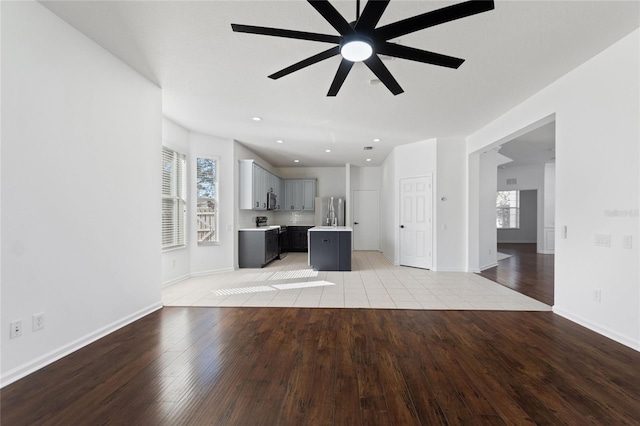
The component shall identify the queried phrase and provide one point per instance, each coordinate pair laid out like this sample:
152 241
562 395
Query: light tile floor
374 282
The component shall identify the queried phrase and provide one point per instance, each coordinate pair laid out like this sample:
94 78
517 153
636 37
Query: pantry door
365 220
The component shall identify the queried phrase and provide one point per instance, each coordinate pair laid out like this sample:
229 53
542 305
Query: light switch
603 240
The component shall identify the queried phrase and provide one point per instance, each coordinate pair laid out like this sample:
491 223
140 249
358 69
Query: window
207 209
174 199
508 215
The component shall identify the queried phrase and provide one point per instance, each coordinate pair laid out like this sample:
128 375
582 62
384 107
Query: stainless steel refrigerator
330 211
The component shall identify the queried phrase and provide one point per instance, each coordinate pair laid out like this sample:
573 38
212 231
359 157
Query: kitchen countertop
332 228
262 228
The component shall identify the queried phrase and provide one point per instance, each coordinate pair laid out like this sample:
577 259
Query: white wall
219 257
406 161
526 232
388 192
549 207
528 177
176 263
365 178
445 160
450 205
596 108
487 188
81 186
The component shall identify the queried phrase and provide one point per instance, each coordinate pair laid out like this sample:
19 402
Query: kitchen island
330 248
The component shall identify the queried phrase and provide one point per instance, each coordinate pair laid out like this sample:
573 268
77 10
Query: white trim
448 270
56 354
633 344
196 274
491 265
390 259
176 280
211 272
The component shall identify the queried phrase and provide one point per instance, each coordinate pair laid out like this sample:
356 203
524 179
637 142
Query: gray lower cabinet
330 250
257 248
298 238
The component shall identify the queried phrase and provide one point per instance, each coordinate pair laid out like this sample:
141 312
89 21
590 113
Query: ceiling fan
361 41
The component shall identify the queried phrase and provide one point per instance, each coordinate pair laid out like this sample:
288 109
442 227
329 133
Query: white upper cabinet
299 194
255 183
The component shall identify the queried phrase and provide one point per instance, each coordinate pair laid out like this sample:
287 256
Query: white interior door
365 220
415 222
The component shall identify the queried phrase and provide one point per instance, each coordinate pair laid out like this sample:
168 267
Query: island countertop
332 228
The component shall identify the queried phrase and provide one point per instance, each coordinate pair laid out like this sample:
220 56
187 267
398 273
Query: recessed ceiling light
256 118
368 159
376 140
280 141
327 150
296 161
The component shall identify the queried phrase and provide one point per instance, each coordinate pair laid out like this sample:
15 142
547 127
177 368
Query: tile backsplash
247 218
295 218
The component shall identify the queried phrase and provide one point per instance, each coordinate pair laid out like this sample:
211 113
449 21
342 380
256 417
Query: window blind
174 198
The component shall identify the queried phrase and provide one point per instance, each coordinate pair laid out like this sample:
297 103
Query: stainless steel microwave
272 201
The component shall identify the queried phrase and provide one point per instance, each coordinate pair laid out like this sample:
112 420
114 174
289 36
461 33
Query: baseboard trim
491 265
176 280
389 259
211 272
623 340
52 356
196 274
448 270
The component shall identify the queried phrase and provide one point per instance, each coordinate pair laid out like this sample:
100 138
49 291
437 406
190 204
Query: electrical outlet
38 321
597 295
16 329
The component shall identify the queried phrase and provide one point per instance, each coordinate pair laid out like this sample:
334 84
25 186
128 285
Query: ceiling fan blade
404 52
278 32
332 16
306 62
382 72
341 74
371 15
435 17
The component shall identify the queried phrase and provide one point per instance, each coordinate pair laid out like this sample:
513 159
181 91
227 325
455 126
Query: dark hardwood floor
526 272
287 366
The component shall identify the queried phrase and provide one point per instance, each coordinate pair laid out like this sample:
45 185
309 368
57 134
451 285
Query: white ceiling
214 80
536 147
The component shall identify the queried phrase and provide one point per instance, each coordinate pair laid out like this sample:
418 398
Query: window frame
513 210
211 217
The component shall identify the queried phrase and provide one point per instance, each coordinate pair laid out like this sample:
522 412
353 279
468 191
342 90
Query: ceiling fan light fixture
356 49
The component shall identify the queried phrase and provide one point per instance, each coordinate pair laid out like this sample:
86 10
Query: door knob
355 223
401 226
